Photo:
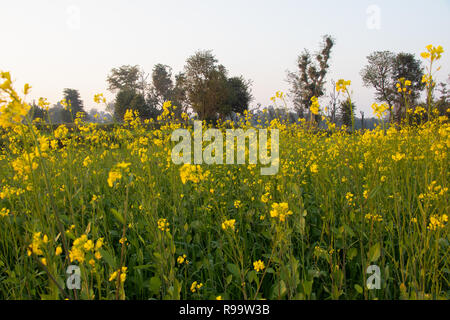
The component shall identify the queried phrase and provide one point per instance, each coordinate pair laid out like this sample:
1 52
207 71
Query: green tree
239 95
162 84
126 77
59 114
308 81
407 66
72 97
378 75
346 110
205 82
130 99
383 71
179 95
37 112
443 103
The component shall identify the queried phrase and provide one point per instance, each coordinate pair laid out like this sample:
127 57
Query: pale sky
57 44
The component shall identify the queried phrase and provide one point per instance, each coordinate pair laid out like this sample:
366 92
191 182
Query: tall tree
130 99
346 111
205 82
179 95
378 74
162 84
72 97
383 71
238 97
407 66
126 77
308 81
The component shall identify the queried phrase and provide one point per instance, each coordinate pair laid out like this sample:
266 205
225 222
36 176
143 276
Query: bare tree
334 101
308 81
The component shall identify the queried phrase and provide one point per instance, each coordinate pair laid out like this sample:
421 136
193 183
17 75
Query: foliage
383 72
125 77
74 103
132 100
209 91
346 112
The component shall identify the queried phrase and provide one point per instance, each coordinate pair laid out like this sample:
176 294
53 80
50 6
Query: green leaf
142 267
302 225
374 252
358 288
279 290
307 287
252 276
234 269
155 284
118 215
110 260
270 270
352 253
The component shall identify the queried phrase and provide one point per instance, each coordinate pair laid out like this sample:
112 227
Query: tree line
203 85
205 89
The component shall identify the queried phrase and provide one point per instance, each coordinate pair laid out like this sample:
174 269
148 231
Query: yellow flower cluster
433 53
258 265
99 98
116 173
167 113
192 173
123 275
279 95
265 197
163 225
373 217
314 168
402 85
61 132
437 222
428 79
315 107
280 211
398 156
36 245
379 110
182 259
24 164
349 196
13 109
434 192
195 286
228 224
342 85
83 246
4 212
131 118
